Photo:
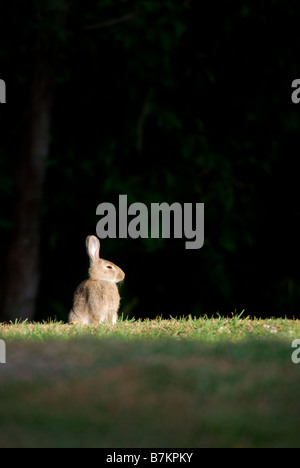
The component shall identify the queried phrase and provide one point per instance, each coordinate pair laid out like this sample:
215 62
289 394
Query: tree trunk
22 271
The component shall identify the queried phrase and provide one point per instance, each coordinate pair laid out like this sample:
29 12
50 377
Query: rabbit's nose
122 276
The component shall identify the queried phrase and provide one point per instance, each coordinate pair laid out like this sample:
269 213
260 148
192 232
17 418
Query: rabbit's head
101 269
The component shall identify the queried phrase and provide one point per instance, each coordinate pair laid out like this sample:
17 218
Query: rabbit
97 299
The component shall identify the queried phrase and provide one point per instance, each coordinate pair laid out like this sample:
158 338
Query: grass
207 329
178 383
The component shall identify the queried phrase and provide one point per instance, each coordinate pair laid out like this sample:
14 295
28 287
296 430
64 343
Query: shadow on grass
87 392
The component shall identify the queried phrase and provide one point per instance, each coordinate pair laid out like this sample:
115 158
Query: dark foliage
165 101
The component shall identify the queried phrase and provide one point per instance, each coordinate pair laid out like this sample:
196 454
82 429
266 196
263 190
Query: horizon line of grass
212 329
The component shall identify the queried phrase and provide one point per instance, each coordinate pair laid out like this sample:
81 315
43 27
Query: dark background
162 101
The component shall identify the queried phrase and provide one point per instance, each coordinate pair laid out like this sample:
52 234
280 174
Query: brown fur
97 299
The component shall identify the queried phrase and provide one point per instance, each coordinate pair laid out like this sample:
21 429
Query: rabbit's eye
109 267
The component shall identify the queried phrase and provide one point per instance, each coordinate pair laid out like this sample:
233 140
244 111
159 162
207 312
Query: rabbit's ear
93 247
